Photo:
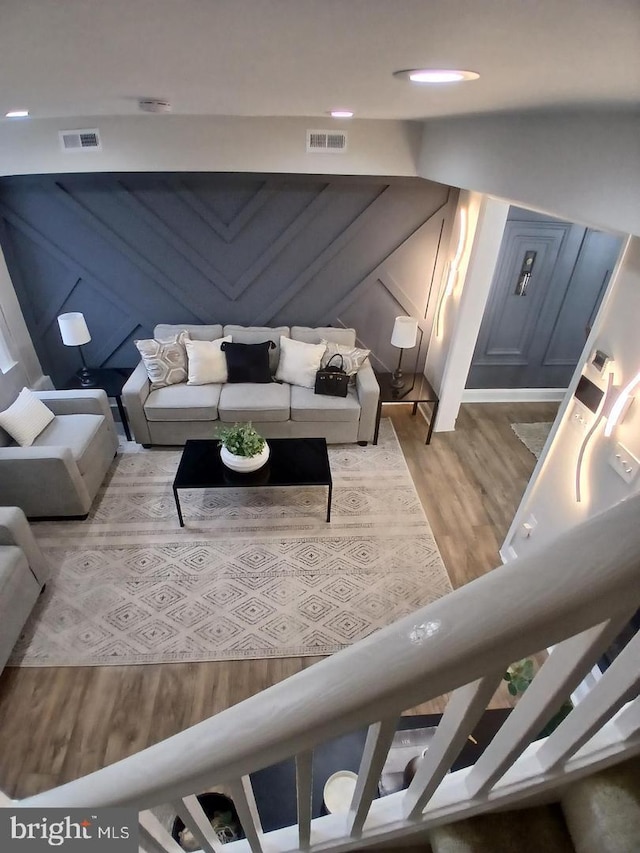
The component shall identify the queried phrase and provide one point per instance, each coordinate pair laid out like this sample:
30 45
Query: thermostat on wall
600 360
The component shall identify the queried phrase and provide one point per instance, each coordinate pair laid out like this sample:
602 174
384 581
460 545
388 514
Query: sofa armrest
15 530
134 393
42 481
93 401
368 396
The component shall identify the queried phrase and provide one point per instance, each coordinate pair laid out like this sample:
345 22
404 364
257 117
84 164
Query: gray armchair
60 474
23 573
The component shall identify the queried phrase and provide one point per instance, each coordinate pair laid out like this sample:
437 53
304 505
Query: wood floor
57 724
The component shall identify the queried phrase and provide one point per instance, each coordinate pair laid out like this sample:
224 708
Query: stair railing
574 594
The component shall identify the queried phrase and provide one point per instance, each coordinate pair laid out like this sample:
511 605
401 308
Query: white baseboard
513 395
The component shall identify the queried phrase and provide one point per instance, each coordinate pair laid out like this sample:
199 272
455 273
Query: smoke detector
154 105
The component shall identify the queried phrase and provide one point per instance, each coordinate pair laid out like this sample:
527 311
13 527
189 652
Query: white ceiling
304 57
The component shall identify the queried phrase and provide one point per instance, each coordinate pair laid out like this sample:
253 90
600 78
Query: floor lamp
404 336
74 332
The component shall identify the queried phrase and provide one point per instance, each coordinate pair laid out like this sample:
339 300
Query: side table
111 380
416 390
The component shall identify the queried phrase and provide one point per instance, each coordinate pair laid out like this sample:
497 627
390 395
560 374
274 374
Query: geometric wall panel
133 250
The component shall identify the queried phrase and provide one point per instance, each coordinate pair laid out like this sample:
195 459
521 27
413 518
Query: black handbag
332 381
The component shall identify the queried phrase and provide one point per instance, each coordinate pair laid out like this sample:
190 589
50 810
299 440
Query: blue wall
133 250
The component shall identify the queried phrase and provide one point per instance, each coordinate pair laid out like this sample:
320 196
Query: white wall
584 167
209 144
550 496
450 353
26 368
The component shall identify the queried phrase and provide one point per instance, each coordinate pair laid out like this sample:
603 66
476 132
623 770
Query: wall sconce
621 405
586 396
404 336
452 272
74 332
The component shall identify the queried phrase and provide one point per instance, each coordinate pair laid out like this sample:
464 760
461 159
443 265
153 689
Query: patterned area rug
533 436
255 573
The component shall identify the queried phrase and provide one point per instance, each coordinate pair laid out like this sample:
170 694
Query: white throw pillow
26 418
207 362
299 362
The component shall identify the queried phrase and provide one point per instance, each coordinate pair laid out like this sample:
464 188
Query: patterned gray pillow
166 361
353 357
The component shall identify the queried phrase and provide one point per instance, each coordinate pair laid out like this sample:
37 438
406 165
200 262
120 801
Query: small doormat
533 436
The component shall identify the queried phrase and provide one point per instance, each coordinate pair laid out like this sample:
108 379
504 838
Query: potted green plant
519 676
242 448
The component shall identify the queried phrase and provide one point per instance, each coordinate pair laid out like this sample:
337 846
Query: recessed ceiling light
17 114
341 113
436 75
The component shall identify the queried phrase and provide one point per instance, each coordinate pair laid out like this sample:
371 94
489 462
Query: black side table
416 390
111 380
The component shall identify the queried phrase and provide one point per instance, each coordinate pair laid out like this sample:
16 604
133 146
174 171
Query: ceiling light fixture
17 114
341 113
436 75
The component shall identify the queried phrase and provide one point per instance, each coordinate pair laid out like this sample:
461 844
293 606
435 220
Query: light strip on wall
618 407
452 273
583 447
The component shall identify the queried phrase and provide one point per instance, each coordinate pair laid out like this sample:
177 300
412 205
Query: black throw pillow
248 362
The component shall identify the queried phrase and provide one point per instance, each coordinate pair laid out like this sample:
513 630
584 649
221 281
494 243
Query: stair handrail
587 575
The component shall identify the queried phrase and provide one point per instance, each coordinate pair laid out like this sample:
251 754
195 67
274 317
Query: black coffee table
292 462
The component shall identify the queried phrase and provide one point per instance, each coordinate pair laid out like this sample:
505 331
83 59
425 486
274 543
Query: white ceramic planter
244 464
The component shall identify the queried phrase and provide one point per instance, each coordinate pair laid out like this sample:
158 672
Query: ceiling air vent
326 141
80 140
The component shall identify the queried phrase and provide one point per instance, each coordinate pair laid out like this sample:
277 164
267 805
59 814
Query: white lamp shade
405 332
73 329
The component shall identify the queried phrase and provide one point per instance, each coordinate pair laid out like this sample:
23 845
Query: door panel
534 327
517 295
587 285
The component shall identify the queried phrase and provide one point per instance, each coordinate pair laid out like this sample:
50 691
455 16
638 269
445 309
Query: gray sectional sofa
173 414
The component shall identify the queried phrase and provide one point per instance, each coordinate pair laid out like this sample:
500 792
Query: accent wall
132 250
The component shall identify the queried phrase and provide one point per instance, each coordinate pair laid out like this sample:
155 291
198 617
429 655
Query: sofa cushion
307 406
249 402
196 332
346 337
299 362
248 362
183 403
165 359
77 432
258 334
207 362
352 358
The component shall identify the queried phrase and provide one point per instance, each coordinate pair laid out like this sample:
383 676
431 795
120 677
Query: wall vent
80 140
326 141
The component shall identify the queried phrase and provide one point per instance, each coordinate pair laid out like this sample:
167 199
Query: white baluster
194 818
304 770
245 802
618 684
379 737
628 722
154 832
558 677
464 709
